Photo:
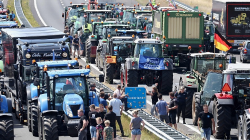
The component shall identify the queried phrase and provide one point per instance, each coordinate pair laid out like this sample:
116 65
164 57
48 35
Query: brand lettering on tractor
45 54
184 15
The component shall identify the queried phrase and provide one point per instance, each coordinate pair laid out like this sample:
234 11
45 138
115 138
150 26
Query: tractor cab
142 22
136 33
110 30
148 48
209 29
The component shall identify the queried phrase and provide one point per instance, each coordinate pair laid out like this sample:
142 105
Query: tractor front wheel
7 128
50 128
108 73
131 78
196 108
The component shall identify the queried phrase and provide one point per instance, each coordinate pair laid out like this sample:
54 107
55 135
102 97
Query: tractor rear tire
165 86
6 128
29 116
50 128
222 118
87 50
239 127
109 73
196 108
132 78
246 127
189 100
34 120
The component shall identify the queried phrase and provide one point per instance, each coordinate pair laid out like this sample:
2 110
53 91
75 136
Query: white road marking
38 13
92 65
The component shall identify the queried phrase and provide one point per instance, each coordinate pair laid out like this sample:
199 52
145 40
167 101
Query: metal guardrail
20 15
152 124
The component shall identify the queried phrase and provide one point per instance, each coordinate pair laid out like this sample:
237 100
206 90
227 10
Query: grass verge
27 12
145 134
11 7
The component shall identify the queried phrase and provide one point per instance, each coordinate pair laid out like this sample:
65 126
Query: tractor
112 55
201 64
33 93
227 95
64 93
148 66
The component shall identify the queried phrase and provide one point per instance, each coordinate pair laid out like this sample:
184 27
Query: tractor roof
7 24
122 38
59 63
208 54
35 41
116 25
67 73
98 11
236 68
148 41
131 31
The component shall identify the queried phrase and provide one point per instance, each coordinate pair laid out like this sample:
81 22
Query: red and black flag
220 42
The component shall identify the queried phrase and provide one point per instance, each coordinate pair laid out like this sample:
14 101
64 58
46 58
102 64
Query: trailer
181 33
231 17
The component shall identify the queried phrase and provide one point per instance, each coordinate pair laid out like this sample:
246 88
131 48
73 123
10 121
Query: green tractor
201 64
131 15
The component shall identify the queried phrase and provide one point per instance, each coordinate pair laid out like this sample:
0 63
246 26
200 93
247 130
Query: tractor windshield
149 27
204 65
122 49
148 50
69 85
212 85
79 23
142 22
98 29
209 29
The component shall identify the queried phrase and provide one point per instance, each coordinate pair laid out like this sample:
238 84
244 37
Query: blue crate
136 97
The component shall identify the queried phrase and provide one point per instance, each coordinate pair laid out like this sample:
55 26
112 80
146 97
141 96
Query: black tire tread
50 128
189 100
132 78
223 124
197 108
87 50
34 120
109 72
29 117
165 86
6 128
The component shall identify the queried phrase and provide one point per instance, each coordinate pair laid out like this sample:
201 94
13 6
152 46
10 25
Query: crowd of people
102 119
169 112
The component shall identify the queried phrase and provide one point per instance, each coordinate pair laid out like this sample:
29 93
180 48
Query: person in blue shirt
12 16
103 101
162 109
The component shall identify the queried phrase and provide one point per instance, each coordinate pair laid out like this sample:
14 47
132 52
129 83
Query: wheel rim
239 130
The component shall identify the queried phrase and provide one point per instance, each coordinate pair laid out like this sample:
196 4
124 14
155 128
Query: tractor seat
67 87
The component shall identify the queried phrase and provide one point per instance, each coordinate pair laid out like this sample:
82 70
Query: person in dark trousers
205 119
93 114
75 43
82 126
111 116
181 96
117 108
162 109
154 97
101 112
172 110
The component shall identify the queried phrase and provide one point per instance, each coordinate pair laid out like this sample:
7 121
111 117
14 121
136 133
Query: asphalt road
48 13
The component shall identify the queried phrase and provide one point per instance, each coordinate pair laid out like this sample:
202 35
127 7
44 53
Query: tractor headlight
68 110
28 55
64 54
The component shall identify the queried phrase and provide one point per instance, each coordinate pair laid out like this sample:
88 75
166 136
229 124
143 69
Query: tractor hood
33 91
71 104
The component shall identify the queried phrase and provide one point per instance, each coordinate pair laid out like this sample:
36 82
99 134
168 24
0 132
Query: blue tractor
6 120
65 92
33 93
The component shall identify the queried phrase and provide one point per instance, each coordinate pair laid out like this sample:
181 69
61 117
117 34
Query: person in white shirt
116 104
121 96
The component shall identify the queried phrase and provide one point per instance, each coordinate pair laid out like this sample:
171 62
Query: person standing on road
101 112
117 108
75 43
111 116
181 99
121 96
172 110
206 119
162 109
135 125
92 117
99 129
82 126
154 97
103 101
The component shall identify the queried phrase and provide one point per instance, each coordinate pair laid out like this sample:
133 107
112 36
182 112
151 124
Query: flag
220 42
54 57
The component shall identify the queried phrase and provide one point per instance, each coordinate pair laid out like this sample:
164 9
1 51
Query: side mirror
101 78
36 82
63 15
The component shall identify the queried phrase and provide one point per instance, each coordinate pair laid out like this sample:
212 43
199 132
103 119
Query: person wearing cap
92 87
94 99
